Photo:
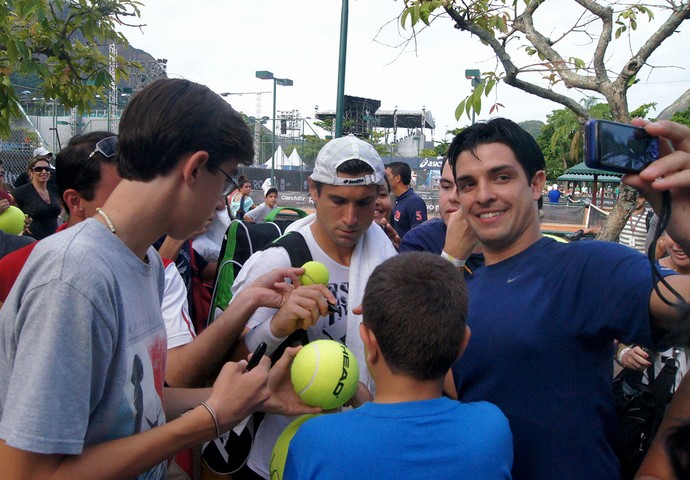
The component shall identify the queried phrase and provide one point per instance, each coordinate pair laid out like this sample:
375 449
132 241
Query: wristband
619 357
262 333
455 261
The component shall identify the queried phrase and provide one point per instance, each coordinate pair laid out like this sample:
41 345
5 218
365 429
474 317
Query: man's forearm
192 364
122 458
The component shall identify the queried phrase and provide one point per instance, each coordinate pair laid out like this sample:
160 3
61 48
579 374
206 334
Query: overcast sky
222 43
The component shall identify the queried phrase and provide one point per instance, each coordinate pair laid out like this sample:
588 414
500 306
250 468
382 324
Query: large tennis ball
280 449
315 273
12 221
325 374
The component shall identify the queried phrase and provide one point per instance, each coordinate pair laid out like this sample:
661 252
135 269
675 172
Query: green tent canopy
582 173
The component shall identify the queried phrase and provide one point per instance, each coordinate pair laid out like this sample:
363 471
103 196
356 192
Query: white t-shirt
178 324
333 326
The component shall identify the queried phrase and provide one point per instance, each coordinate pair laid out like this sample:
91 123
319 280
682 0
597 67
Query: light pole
285 82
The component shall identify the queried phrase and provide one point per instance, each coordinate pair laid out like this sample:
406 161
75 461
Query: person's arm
632 356
460 238
302 309
191 365
670 173
656 464
235 395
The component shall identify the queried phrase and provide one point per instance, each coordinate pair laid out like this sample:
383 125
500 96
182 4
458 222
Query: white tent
294 159
280 158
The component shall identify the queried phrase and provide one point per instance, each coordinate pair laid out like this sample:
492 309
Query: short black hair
170 118
499 130
74 169
415 304
402 169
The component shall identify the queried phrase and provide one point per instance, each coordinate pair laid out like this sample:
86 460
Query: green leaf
460 109
489 86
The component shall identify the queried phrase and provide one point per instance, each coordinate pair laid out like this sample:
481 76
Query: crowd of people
486 350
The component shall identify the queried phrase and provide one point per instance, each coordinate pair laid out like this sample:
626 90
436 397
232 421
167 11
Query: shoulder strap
296 246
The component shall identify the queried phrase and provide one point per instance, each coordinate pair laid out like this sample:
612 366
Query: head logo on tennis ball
315 273
325 374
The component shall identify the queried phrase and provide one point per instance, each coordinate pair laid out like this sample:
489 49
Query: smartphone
618 147
256 356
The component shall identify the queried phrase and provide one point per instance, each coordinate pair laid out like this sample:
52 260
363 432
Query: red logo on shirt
418 216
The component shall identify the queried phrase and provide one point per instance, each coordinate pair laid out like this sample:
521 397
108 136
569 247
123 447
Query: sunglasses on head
41 169
106 147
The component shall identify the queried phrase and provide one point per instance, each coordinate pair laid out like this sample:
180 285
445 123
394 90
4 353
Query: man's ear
192 165
313 192
74 200
538 181
465 341
371 346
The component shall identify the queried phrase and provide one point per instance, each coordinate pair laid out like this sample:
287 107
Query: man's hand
4 205
670 172
460 238
302 309
236 393
284 400
271 289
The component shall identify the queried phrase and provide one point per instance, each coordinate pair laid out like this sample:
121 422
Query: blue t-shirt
543 324
409 211
439 439
554 195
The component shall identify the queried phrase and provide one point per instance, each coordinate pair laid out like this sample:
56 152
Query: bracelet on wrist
619 357
455 261
214 416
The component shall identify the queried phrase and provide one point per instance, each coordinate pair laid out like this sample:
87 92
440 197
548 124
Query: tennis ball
280 449
325 374
12 221
315 273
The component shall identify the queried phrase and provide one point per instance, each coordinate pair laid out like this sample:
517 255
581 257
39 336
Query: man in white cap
342 236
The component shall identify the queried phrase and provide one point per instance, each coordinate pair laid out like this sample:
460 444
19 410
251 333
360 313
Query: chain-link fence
17 150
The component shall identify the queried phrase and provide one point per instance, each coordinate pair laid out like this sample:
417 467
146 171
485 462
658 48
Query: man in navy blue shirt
409 210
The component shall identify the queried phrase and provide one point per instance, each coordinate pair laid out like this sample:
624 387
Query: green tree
508 28
57 41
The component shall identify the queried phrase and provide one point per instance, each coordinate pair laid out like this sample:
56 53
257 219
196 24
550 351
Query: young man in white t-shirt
342 235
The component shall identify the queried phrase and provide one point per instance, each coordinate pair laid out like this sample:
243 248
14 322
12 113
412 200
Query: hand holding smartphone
618 147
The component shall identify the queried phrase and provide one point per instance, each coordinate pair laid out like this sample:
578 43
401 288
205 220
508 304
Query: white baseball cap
340 150
41 152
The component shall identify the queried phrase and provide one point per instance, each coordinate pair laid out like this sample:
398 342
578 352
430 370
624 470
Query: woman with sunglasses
37 200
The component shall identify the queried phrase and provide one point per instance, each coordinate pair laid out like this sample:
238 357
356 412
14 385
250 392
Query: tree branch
510 68
633 66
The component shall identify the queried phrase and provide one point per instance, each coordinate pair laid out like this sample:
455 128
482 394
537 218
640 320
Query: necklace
107 219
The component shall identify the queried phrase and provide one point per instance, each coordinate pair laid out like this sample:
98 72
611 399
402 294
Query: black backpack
640 409
228 454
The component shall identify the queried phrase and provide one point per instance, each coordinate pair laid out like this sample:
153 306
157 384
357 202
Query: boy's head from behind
415 304
172 117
